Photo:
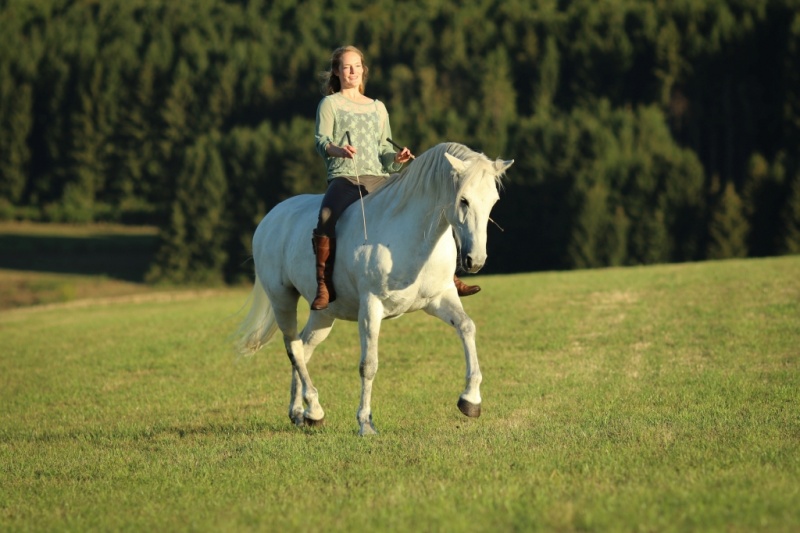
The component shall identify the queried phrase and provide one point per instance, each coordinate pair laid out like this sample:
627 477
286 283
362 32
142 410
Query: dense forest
643 131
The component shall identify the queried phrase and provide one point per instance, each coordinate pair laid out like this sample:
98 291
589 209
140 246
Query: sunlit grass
661 399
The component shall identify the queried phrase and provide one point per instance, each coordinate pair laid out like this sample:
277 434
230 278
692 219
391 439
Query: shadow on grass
159 431
123 257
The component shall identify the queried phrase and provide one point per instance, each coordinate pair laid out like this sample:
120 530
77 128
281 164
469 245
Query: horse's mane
430 174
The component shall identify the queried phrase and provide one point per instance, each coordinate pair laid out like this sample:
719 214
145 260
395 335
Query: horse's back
292 215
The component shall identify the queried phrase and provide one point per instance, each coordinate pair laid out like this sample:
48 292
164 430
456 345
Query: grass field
664 398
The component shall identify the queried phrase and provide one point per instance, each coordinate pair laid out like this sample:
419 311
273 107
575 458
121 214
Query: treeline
642 131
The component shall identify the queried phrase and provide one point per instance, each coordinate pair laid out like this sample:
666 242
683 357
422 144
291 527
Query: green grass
663 398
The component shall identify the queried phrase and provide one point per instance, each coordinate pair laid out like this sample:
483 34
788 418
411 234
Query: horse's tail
259 326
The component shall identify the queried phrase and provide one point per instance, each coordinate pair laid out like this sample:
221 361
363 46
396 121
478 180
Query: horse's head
477 181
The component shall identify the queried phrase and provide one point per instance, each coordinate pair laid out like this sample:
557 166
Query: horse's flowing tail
259 326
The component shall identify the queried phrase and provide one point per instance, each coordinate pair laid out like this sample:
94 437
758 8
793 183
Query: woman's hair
330 81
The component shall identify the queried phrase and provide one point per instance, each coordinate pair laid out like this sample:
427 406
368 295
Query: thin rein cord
358 182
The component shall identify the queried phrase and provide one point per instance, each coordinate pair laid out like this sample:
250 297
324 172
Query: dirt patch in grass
22 289
109 294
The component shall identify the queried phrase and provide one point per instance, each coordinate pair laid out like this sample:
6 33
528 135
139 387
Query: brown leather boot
325 252
464 289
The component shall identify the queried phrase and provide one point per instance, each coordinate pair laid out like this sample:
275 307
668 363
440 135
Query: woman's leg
464 289
340 194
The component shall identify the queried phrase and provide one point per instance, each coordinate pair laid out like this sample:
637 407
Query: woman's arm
323 136
323 139
386 150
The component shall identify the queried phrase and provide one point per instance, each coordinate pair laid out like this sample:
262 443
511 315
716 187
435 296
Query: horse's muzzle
469 264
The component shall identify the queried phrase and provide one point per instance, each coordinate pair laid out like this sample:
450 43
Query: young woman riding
352 132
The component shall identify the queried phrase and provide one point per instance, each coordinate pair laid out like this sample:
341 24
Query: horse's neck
420 222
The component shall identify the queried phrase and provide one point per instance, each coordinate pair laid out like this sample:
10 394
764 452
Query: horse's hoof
297 419
310 422
367 429
472 410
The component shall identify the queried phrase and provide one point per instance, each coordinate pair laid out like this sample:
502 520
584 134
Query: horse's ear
457 164
500 166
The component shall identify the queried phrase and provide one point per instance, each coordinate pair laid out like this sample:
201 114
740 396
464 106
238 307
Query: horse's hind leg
303 390
300 349
296 407
302 386
316 330
284 304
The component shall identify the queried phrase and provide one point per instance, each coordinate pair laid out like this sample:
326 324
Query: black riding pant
340 194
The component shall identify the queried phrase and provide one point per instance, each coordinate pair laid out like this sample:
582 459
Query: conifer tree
498 109
245 154
547 87
791 219
616 245
88 153
728 227
648 240
587 248
764 195
16 122
135 158
191 248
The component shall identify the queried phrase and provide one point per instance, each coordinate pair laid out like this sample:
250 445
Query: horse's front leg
369 325
450 310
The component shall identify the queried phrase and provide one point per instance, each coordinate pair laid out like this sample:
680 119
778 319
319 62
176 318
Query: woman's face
350 70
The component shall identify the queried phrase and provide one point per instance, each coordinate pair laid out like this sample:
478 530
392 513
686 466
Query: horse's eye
464 202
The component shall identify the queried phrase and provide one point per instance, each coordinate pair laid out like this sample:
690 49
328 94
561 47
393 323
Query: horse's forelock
477 162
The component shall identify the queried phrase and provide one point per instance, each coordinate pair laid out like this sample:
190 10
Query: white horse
420 222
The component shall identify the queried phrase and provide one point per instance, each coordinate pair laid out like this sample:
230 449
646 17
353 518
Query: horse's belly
397 304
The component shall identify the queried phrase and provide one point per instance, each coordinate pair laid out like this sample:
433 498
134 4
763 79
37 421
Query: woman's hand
346 151
403 156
